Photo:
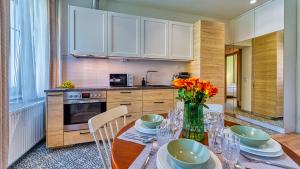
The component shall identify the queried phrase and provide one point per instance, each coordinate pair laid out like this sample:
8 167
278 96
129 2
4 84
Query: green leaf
204 105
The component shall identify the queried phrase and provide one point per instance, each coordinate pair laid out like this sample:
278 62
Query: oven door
78 112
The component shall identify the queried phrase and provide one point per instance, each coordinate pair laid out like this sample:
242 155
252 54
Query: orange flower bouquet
194 93
193 90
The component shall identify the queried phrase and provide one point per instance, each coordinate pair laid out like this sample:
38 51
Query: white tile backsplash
92 72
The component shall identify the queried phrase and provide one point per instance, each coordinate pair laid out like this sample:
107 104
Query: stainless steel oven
80 106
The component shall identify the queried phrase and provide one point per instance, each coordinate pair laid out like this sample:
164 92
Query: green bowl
152 120
188 153
250 136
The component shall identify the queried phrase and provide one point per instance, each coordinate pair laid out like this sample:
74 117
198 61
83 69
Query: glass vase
193 124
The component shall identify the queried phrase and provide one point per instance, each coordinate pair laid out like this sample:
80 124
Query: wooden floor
290 143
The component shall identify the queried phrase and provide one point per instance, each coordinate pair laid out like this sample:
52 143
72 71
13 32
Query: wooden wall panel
209 55
210 45
268 75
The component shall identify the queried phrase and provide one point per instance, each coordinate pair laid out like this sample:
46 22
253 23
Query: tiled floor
83 156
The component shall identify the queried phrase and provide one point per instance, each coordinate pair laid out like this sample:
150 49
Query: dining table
124 152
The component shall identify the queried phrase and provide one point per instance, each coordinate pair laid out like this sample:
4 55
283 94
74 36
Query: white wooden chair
98 128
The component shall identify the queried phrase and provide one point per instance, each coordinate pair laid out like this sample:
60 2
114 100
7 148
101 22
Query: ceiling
222 9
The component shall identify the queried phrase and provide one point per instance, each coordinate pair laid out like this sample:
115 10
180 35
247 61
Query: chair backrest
98 128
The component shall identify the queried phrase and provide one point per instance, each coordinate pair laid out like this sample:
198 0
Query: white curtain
29 61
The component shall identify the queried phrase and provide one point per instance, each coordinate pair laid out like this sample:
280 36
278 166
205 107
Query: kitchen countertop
109 88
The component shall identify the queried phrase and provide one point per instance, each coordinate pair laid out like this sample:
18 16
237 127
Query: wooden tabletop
124 152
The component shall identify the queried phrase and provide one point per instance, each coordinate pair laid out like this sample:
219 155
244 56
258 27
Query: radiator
26 129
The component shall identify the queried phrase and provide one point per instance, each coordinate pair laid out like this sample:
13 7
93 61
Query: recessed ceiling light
252 1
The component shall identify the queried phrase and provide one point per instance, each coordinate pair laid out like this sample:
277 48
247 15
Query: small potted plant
194 93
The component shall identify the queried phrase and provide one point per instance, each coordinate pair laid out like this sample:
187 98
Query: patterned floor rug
83 156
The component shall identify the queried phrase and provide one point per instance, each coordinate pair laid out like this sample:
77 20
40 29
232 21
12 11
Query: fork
152 153
250 159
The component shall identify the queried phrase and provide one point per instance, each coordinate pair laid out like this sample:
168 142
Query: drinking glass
230 150
175 120
163 133
213 118
215 137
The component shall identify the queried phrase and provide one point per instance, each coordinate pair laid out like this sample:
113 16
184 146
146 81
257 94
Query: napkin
133 131
284 159
139 161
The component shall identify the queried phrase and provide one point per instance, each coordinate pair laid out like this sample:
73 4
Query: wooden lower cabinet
133 116
123 95
54 120
138 102
132 106
75 137
158 94
158 106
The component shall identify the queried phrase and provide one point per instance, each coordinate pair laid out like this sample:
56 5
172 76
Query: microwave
120 80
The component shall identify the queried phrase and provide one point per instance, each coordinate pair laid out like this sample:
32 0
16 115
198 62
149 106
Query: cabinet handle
84 132
128 115
125 92
54 94
125 104
159 102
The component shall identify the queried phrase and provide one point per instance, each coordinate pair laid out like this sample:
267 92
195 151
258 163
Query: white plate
163 161
271 149
143 129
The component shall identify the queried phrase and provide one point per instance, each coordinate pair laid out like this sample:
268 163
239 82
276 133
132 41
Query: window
14 68
29 50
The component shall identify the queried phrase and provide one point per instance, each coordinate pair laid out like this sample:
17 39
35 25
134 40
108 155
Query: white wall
290 64
95 72
246 78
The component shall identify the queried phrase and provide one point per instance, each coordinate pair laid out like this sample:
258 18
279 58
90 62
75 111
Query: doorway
233 71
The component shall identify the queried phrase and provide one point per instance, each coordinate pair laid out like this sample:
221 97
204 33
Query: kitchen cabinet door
269 18
54 120
87 32
243 27
180 41
123 35
154 38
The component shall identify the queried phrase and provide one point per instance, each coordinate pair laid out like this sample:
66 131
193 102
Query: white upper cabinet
269 18
243 27
180 41
87 32
262 20
154 38
100 33
123 35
